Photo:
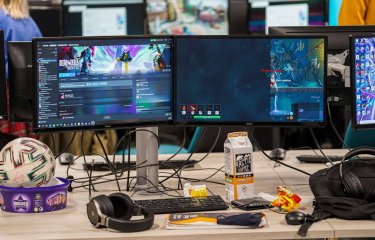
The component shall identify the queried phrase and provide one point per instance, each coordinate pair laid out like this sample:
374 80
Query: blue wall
334 9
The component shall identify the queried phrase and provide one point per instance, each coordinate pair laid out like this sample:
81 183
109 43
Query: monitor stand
147 154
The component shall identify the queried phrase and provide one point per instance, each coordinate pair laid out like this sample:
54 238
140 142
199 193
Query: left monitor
3 92
98 83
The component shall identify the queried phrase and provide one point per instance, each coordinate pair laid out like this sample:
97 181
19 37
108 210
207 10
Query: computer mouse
66 158
278 154
295 218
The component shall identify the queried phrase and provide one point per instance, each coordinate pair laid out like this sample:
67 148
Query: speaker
115 212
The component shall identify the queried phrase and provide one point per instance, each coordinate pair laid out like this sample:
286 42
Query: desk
72 223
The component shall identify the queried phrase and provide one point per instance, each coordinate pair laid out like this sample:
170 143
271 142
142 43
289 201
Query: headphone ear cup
123 206
105 205
352 186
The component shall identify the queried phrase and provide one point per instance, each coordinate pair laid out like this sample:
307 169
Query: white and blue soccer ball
26 162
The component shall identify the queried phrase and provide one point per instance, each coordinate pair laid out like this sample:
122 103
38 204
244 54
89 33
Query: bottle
239 177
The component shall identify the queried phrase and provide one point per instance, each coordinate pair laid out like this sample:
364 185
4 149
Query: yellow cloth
357 12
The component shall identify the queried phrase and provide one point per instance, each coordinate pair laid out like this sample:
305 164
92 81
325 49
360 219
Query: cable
181 146
53 142
204 157
66 148
333 125
189 157
112 167
265 154
84 156
318 146
212 147
129 148
90 179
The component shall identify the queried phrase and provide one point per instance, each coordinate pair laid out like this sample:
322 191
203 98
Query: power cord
319 147
265 154
67 146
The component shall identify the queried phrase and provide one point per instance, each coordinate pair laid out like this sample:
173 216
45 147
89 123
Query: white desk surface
72 222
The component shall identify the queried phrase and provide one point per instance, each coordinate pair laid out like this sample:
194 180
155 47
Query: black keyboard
180 205
322 159
172 164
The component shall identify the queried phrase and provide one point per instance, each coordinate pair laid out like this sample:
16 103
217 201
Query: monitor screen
188 17
250 80
103 18
3 93
363 78
20 81
267 13
96 83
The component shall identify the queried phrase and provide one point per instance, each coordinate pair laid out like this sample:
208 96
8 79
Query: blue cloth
17 30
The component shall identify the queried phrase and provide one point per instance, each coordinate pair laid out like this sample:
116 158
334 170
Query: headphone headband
133 225
359 151
116 211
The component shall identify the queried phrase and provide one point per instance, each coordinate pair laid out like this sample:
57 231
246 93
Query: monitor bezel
323 123
37 129
3 77
355 125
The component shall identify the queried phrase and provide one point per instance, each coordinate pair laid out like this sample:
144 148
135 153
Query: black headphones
351 184
114 211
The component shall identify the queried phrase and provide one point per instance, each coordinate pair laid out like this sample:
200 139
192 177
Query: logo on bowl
21 204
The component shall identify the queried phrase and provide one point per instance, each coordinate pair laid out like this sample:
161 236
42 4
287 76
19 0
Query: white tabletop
72 222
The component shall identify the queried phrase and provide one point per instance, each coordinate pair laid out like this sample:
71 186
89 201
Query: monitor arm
336 67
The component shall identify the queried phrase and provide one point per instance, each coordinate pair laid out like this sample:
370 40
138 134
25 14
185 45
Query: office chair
359 138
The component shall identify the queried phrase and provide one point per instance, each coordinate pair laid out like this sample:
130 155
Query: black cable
265 154
66 148
207 154
84 155
333 125
180 148
129 148
90 180
212 147
53 143
112 167
319 147
189 157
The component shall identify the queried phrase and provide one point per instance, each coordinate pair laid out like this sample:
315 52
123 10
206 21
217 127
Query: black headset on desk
116 210
350 182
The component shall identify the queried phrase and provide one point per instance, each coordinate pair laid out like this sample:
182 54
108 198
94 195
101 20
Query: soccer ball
26 162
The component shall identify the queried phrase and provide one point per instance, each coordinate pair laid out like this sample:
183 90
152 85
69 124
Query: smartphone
249 204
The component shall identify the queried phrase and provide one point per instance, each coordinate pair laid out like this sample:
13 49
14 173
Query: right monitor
250 80
363 80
